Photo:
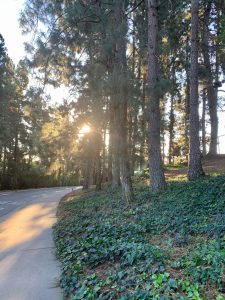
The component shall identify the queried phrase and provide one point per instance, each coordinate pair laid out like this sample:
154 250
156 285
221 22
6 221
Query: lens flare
85 129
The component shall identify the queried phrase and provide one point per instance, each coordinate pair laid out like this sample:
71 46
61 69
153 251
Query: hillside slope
168 245
210 165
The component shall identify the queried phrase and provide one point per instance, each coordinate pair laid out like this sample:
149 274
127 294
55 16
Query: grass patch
167 245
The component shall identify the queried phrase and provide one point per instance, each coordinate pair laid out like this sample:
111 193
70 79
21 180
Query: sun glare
85 129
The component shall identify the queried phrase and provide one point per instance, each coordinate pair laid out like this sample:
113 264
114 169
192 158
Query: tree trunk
171 129
187 115
104 170
157 176
134 141
134 108
15 154
130 137
211 92
98 173
88 173
121 68
195 166
98 164
171 116
110 177
143 125
115 149
203 122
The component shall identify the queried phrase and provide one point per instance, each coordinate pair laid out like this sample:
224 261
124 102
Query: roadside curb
34 189
71 194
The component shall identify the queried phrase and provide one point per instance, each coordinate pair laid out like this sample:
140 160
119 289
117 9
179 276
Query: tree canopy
131 68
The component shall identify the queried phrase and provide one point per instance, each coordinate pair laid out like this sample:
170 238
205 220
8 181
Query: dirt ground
210 165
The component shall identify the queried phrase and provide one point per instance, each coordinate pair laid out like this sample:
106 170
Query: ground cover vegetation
145 82
168 245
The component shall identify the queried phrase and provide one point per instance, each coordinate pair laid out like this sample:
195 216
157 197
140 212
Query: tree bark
172 116
171 129
104 170
195 166
203 122
187 115
115 147
143 125
88 173
135 106
157 176
98 173
130 137
110 143
121 68
211 92
134 142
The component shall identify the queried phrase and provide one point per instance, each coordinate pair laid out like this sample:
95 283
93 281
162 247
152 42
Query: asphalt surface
28 268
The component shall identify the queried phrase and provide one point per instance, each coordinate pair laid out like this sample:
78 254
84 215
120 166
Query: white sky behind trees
9 28
14 40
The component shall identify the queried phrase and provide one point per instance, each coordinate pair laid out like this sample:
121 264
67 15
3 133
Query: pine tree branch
134 8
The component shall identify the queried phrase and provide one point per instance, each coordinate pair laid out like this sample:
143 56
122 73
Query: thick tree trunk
121 68
115 169
98 173
211 92
115 149
195 166
157 176
88 173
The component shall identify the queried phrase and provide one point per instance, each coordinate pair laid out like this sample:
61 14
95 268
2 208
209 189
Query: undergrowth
167 245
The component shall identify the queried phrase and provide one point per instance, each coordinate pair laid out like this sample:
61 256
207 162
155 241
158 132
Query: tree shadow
28 268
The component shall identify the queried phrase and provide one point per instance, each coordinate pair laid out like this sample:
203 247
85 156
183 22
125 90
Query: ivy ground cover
168 245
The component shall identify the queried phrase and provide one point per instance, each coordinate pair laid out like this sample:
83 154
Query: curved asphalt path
28 269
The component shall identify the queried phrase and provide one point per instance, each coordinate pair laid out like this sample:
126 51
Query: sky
14 40
9 28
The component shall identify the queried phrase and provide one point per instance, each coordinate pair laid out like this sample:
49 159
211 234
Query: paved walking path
28 269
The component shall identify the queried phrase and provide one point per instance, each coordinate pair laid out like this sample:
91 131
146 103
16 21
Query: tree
195 166
121 70
157 177
211 91
98 50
